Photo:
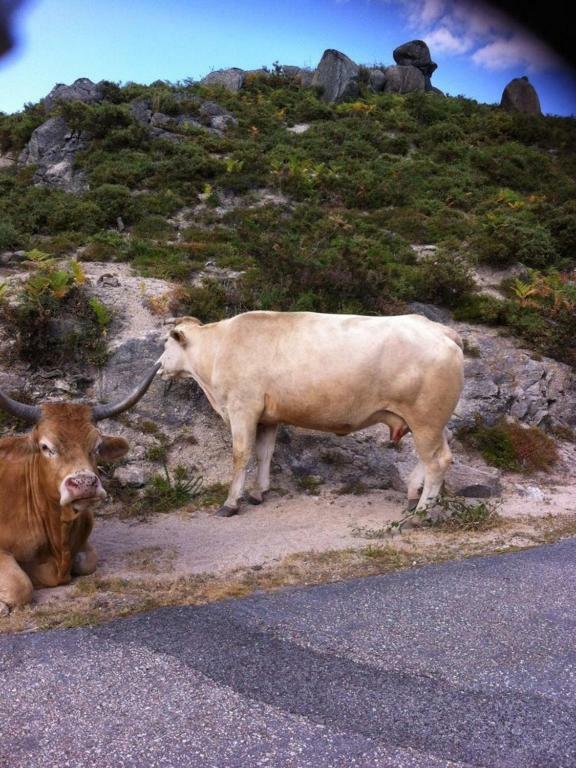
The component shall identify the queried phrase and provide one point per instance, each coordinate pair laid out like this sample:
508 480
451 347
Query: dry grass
93 599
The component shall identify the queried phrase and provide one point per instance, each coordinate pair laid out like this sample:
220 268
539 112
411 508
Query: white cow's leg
433 450
15 586
265 442
243 435
415 484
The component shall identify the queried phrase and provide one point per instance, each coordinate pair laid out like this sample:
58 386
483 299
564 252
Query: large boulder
403 79
305 77
376 79
82 89
231 79
520 96
337 76
52 148
415 54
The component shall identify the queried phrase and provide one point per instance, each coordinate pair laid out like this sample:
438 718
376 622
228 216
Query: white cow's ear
178 336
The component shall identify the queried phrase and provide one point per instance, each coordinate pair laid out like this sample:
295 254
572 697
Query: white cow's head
174 361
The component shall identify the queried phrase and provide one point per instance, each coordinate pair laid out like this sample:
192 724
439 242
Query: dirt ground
195 542
193 556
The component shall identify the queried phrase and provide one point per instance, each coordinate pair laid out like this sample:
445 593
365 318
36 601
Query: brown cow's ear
112 448
16 448
178 336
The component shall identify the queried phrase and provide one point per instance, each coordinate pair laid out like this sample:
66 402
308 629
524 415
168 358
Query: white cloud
456 27
518 50
442 40
431 11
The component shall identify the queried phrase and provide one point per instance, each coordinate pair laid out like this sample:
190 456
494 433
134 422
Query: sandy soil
193 556
200 542
191 542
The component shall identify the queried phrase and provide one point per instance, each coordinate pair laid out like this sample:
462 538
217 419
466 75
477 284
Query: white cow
335 373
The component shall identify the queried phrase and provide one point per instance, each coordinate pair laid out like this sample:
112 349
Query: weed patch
511 446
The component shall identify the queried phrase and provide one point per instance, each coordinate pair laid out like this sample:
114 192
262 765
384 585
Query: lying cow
335 373
49 485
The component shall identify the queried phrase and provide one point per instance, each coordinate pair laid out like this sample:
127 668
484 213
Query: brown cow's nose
82 482
81 485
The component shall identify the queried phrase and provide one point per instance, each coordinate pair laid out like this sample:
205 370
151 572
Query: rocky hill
347 189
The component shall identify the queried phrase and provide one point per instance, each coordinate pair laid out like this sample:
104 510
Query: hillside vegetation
321 220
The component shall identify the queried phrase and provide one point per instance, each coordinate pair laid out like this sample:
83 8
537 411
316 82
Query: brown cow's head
68 446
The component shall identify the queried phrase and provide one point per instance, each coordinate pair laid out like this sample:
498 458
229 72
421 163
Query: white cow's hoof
227 511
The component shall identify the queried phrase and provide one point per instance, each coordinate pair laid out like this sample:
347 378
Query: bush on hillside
9 235
113 201
57 322
445 278
510 236
511 446
16 129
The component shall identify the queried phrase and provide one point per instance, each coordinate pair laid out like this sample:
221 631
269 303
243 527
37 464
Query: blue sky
477 50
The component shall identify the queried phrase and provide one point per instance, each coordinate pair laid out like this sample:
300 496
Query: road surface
468 663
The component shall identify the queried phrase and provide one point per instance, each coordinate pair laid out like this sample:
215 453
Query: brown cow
49 486
336 373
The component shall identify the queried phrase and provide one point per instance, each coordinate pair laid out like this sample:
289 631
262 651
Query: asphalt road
463 664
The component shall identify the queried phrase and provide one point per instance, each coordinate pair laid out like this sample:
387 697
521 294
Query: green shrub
445 278
164 492
113 201
510 446
154 227
167 262
481 308
9 235
128 167
96 120
68 212
16 129
514 165
56 320
562 223
209 301
106 246
510 236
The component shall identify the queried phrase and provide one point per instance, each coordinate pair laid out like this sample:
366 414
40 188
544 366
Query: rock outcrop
52 148
232 79
401 79
376 79
520 96
212 117
416 54
82 89
337 76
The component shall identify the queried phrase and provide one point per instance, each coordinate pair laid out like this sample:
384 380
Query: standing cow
335 373
49 485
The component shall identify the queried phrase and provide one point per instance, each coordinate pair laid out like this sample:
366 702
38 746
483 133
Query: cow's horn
29 413
100 412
